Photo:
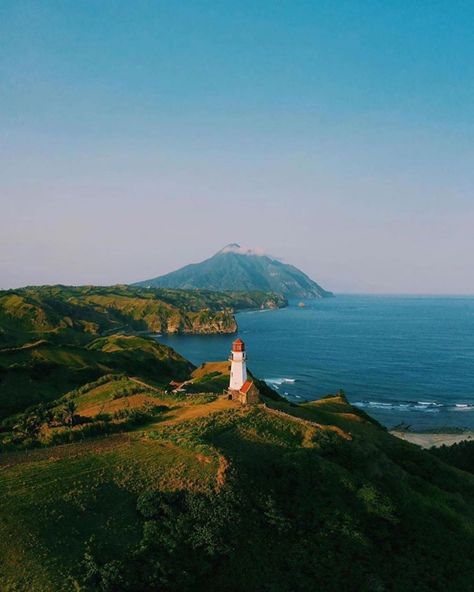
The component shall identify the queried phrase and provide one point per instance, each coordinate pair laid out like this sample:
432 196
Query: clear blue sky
140 136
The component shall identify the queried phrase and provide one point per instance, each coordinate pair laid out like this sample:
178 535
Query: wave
277 382
415 406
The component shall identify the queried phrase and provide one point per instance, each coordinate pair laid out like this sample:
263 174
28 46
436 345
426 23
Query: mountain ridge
236 268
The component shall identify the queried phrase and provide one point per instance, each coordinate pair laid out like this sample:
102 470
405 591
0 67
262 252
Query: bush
460 455
186 537
103 417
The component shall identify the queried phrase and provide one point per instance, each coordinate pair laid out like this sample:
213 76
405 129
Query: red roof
238 345
246 387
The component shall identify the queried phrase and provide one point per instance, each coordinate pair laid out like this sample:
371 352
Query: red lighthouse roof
246 387
238 345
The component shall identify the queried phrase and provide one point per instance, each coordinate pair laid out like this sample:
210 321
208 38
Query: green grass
66 314
320 497
48 370
53 508
101 394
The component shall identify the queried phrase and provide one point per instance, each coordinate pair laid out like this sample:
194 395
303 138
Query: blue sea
403 359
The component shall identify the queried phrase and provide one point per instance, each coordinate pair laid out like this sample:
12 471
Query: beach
429 440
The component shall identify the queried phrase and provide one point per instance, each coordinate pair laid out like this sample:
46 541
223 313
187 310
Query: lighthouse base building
247 395
240 387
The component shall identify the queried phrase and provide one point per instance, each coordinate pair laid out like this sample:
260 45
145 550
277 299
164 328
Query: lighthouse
241 389
238 367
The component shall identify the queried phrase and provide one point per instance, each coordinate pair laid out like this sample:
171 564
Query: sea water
400 358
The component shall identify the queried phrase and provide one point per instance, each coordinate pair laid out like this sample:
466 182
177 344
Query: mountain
235 268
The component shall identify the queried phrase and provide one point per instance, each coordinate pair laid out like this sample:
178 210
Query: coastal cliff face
205 322
271 304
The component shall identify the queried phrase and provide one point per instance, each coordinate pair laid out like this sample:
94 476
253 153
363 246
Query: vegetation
111 483
219 497
59 338
460 455
213 377
111 404
76 314
46 371
232 270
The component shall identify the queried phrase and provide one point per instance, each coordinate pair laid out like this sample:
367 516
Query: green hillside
460 455
44 371
209 495
57 338
112 482
76 314
234 268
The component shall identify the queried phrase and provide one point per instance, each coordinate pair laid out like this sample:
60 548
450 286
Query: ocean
403 359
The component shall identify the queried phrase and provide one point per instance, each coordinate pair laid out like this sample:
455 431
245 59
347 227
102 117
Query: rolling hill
207 495
76 314
56 338
112 482
43 371
234 268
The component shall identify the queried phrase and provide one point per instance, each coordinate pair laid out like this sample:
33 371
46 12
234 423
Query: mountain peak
251 270
236 248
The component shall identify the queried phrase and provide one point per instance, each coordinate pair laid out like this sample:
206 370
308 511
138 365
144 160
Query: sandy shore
429 440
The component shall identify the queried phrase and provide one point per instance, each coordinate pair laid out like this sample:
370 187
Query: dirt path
141 383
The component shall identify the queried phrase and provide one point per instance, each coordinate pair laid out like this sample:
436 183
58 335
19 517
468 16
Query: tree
28 426
69 410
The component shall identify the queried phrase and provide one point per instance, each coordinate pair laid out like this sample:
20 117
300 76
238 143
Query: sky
137 137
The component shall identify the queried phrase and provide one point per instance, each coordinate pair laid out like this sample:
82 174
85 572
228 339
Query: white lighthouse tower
238 367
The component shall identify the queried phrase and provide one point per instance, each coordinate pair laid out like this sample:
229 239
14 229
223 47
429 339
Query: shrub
103 417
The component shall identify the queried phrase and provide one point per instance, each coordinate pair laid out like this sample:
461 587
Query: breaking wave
277 382
417 406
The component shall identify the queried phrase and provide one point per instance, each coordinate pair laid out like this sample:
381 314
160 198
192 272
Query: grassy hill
214 377
43 371
57 338
209 495
109 482
76 314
